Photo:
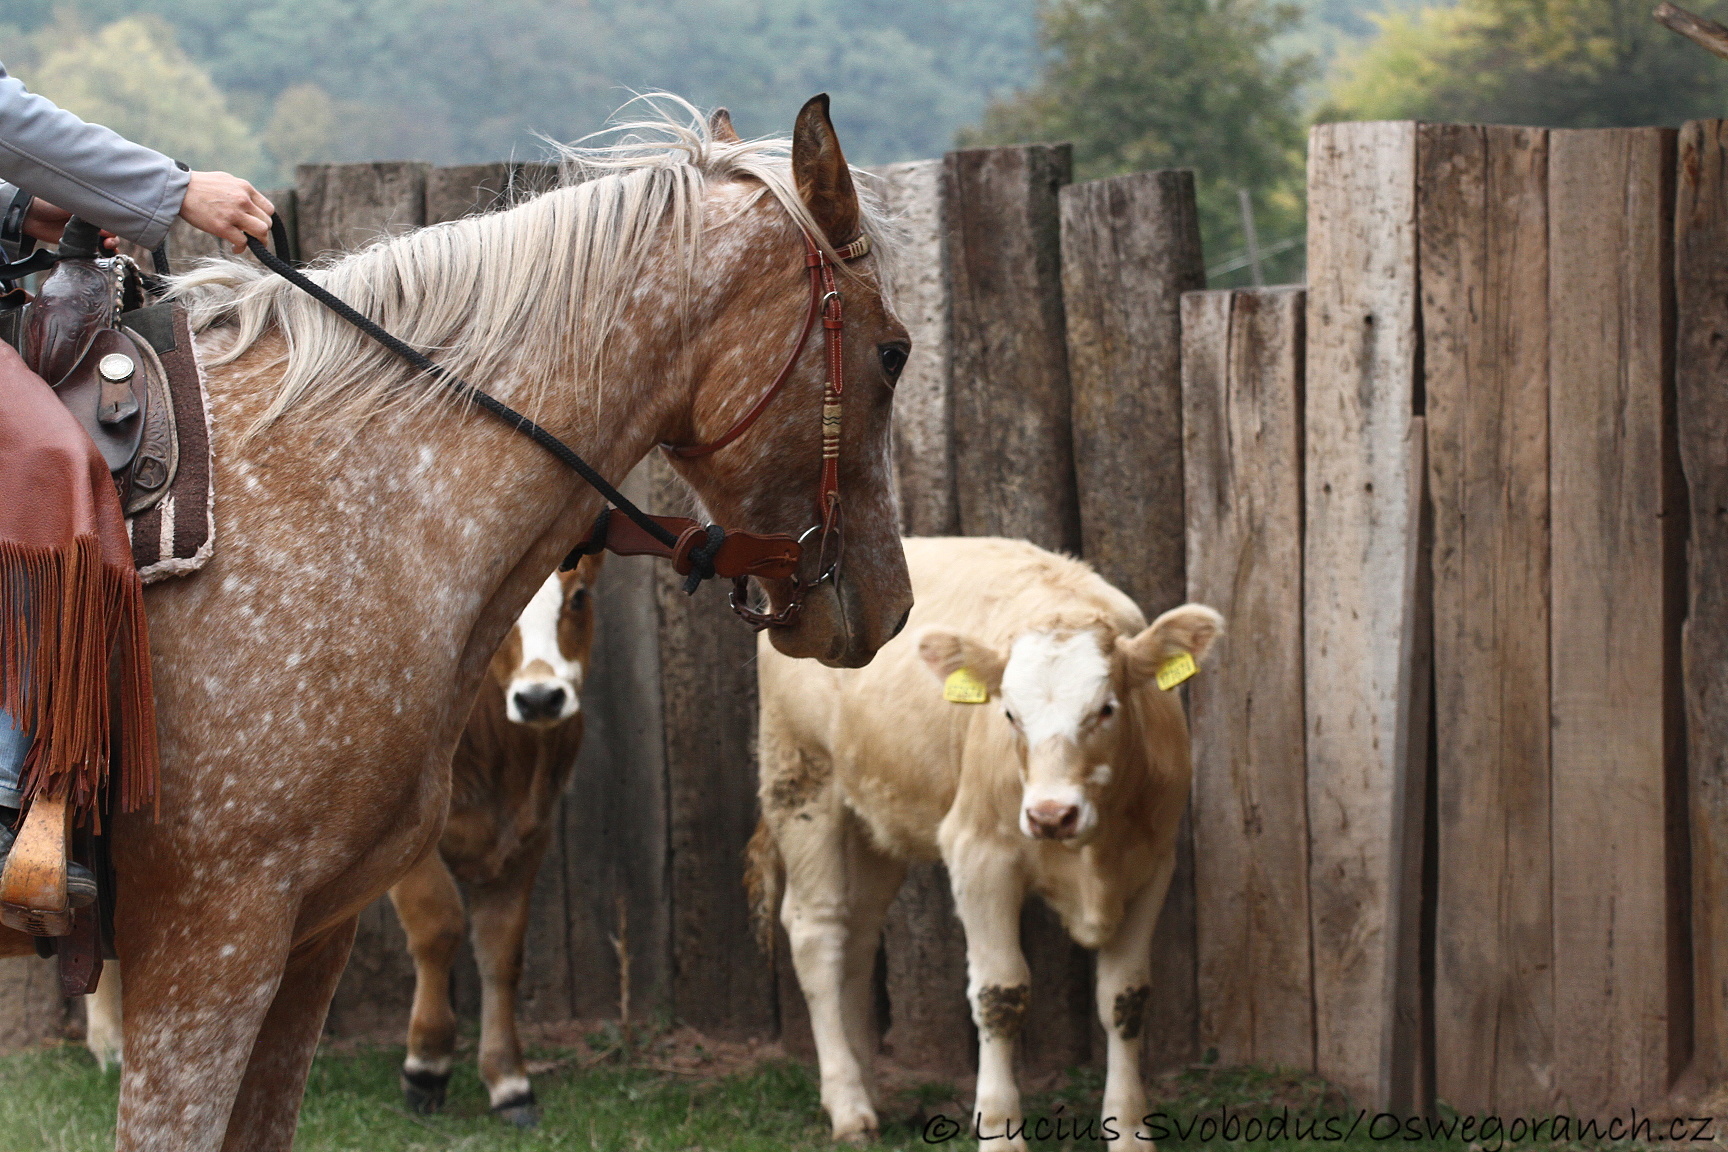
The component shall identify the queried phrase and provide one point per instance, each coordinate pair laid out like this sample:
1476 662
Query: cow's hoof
423 1091
521 1111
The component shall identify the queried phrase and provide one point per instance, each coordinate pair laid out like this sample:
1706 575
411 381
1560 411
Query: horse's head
542 661
770 477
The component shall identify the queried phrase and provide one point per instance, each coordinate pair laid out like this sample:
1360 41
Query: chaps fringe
66 619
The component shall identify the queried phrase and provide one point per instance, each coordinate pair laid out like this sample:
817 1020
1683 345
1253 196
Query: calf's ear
1189 628
945 652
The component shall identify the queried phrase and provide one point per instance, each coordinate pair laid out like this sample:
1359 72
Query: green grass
55 1100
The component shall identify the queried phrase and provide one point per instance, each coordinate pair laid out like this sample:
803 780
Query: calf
511 765
1016 731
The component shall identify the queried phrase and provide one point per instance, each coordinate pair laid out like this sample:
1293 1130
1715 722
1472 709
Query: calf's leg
499 912
102 1018
1124 985
809 829
988 892
430 908
873 878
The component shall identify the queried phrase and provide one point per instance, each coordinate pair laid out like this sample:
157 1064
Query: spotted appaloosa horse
377 538
510 767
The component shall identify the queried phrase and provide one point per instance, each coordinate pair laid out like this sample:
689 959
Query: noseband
697 552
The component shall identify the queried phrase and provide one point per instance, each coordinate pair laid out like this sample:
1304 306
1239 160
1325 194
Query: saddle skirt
128 372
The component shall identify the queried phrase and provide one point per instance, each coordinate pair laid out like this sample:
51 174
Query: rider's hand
227 207
45 222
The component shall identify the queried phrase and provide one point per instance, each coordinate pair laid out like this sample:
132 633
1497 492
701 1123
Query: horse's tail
763 872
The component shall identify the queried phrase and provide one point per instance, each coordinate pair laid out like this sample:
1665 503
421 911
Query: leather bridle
698 552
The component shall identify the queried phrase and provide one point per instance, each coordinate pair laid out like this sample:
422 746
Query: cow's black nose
540 701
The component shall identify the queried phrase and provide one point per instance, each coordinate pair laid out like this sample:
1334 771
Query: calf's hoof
522 1111
857 1131
423 1091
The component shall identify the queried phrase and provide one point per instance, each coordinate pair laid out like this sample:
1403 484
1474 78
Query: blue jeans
14 743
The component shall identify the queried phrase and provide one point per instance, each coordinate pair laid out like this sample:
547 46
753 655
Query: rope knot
702 559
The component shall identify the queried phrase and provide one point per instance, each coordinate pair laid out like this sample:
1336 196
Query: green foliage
131 76
1556 63
1143 84
464 80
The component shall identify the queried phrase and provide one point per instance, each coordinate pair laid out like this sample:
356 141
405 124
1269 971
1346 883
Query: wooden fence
1460 818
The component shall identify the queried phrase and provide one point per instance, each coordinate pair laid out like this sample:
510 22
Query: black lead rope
485 400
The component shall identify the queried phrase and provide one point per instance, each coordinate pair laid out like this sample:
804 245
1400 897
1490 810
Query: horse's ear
824 180
720 127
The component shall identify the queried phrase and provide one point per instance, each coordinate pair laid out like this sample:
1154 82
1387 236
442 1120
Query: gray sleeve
89 170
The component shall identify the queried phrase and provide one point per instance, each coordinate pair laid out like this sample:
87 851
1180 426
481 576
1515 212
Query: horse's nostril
540 701
901 623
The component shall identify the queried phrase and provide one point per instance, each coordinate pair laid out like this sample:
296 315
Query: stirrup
33 886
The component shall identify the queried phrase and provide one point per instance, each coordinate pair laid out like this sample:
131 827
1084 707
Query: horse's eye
1107 711
578 599
893 357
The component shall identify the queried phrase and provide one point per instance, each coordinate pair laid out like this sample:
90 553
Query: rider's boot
34 871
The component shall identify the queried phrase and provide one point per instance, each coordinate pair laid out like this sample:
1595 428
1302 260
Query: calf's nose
540 701
1053 819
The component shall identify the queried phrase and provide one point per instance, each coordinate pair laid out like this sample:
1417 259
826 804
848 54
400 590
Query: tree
1555 63
1142 84
131 76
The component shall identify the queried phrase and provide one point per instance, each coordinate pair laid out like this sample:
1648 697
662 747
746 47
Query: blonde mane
519 295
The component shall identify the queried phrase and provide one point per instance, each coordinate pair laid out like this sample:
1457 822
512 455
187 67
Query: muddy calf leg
988 893
500 919
430 909
1124 989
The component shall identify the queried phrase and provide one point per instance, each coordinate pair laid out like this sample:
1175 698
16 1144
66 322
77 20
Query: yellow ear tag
1175 670
962 687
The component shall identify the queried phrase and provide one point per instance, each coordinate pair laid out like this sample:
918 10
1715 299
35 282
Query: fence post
1484 260
1621 965
1013 443
708 687
1362 607
1701 282
1242 432
1130 247
342 206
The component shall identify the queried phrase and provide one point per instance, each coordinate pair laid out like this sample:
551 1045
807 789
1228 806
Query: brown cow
514 757
511 765
1041 756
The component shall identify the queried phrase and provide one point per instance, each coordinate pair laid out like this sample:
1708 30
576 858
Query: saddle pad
177 535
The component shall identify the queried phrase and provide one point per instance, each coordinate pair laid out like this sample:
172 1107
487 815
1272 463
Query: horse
378 537
510 768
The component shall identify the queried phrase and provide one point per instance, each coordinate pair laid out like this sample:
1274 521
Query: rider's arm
85 168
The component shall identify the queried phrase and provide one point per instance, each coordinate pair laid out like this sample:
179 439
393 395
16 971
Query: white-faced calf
1017 731
511 765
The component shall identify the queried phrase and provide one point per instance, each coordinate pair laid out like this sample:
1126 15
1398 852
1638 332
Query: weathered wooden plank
708 689
1013 445
1362 527
614 839
1242 357
31 1010
930 1025
1701 380
342 206
923 429
1130 248
1484 258
469 189
1621 1007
